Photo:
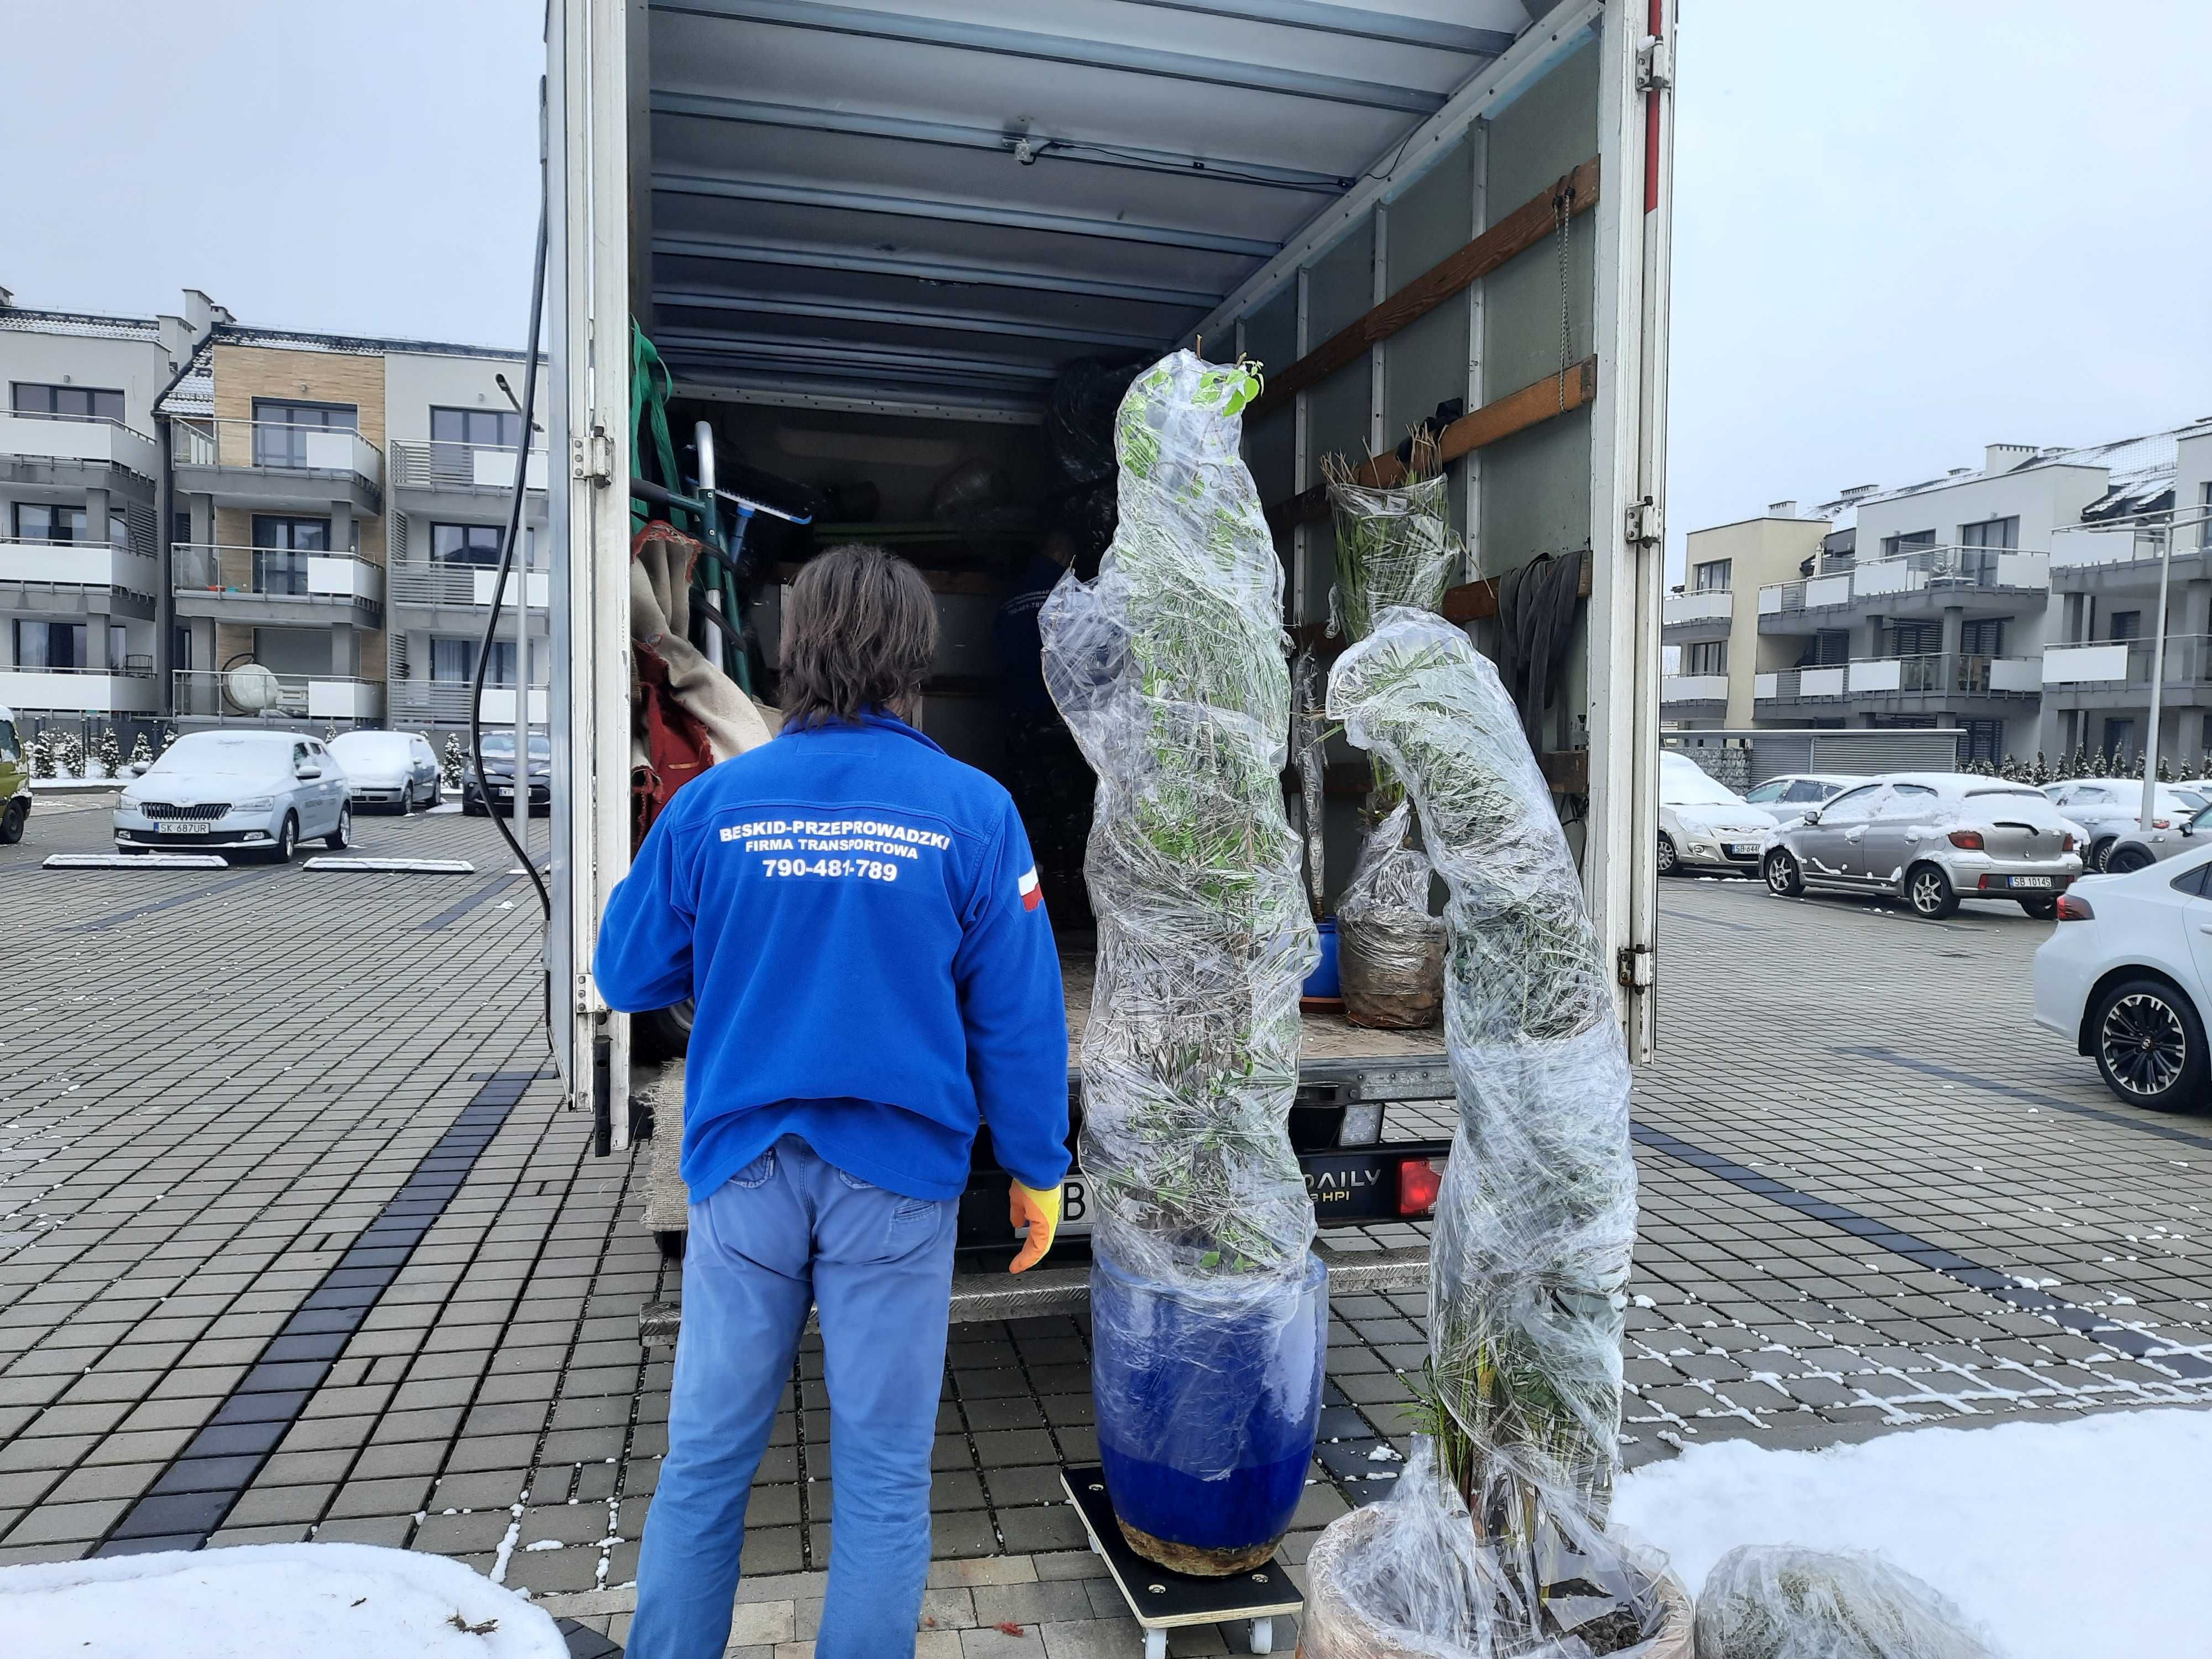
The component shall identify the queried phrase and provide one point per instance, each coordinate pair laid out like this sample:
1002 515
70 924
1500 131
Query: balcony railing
416 465
446 702
434 581
1693 688
2128 662
1966 674
198 569
127 689
85 438
206 693
95 566
275 447
1709 605
1922 570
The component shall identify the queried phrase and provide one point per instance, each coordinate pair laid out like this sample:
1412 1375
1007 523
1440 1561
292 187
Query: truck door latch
1634 965
1655 65
1640 522
592 459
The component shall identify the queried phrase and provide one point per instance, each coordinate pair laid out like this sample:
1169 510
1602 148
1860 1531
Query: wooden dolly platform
1161 1601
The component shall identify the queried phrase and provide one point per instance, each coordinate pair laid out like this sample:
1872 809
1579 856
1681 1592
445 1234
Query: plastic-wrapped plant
1538 1212
1207 1305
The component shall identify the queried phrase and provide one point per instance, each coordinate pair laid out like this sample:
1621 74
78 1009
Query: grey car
2109 808
398 769
2134 850
1931 839
257 792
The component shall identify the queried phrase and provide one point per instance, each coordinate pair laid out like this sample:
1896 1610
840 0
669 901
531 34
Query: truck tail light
1420 1181
1969 839
2073 908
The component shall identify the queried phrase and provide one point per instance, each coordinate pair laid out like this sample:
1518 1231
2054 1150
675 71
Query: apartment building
340 505
81 508
1708 627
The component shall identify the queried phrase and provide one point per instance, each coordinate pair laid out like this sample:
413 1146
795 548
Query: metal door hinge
1655 65
1634 966
591 458
587 995
1641 523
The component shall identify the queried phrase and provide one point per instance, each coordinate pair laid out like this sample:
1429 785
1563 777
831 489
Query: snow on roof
83 323
2140 475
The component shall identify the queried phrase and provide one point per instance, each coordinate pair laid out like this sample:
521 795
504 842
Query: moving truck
869 240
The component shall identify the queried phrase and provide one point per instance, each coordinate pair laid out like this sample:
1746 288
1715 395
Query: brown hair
859 628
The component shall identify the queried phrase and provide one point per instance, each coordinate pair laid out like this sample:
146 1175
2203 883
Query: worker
856 917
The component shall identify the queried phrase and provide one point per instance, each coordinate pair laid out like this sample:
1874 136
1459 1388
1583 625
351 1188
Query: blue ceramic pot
1207 1400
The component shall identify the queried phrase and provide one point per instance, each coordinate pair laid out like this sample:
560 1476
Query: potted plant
1209 1310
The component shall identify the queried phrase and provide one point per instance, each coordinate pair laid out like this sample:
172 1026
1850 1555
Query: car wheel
336 839
1783 878
2043 910
287 838
2150 1045
664 1034
2099 850
2126 860
12 820
1928 890
438 792
1670 861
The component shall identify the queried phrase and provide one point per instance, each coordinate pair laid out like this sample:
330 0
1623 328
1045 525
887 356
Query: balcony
1709 611
1935 678
1693 688
270 463
128 689
61 449
436 583
446 702
422 469
1925 581
206 694
276 585
79 577
2115 673
2128 557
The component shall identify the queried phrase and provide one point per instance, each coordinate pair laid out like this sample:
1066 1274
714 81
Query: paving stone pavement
1873 1195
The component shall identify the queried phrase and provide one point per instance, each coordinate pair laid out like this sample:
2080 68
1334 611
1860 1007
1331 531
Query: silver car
260 791
2109 808
1930 838
398 769
2134 850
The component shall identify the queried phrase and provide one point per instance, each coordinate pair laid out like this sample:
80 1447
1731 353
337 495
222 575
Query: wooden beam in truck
1567 771
1517 411
1474 601
1533 221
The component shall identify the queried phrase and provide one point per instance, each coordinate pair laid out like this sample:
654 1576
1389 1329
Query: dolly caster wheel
1263 1635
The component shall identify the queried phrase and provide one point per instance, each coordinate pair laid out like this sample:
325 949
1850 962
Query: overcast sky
1905 228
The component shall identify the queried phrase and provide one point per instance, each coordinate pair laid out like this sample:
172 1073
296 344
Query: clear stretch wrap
1409 1578
1778 1601
1393 546
1538 1211
1209 1312
1389 949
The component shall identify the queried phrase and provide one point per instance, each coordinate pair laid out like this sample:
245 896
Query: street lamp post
2164 534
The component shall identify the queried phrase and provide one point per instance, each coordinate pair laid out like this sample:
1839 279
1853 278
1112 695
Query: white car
1705 824
2124 977
2109 808
1789 796
390 769
262 792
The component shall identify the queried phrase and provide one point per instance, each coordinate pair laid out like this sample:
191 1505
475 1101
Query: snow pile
2061 1539
330 1600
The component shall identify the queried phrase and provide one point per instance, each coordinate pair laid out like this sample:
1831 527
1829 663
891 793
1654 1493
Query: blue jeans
785 1230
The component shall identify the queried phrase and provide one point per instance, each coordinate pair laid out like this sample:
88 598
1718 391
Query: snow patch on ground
2062 1539
351 1599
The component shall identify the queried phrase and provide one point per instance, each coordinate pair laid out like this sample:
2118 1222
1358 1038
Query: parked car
2124 977
498 782
14 782
2169 837
265 791
1704 823
1930 838
2109 808
390 769
1788 796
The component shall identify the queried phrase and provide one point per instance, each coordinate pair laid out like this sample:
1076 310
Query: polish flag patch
1028 888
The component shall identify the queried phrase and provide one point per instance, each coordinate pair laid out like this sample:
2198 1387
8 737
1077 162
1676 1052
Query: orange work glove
1040 1212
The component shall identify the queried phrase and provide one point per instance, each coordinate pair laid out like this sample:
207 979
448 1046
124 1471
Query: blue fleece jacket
856 916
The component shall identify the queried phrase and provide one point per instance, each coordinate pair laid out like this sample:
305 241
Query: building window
2119 739
1985 740
84 401
1710 577
2127 624
455 661
1831 648
465 543
501 428
1991 532
180 648
281 547
51 644
1892 546
1911 640
36 521
1982 639
281 428
1705 657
